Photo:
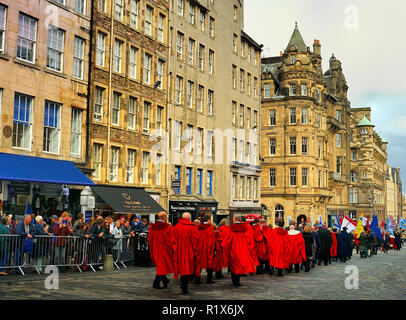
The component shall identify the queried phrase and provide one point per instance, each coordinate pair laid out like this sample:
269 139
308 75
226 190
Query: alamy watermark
52 281
352 17
352 281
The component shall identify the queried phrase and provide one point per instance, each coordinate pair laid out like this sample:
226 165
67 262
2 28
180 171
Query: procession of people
247 248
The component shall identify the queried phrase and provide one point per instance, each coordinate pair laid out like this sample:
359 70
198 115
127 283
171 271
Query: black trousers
235 278
184 280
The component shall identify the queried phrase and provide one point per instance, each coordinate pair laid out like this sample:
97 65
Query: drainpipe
110 94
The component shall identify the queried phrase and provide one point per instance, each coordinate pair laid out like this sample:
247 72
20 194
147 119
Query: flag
402 223
389 227
364 222
321 221
28 209
341 218
360 227
368 223
375 228
337 223
349 224
382 227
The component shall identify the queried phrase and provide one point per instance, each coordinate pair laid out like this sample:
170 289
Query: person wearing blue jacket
136 227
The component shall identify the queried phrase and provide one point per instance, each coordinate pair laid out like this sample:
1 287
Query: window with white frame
199 141
303 89
234 76
131 155
161 28
292 177
132 109
241 116
255 119
255 87
147 68
209 149
248 186
272 146
242 48
318 95
3 11
353 176
248 117
211 62
97 160
180 7
55 48
242 78
212 27
272 177
159 120
27 34
267 91
305 142
233 149
354 156
52 127
235 43
292 89
233 113
78 57
320 179
178 135
338 140
248 83
190 94
209 183
191 51
102 5
338 115
148 20
272 117
192 9
353 195
76 132
132 63
115 115
305 172
292 144
178 90
248 152
202 19
117 57
119 9
158 170
304 115
100 49
200 98
179 46
145 161
135 7
201 56
233 185
115 154
210 101
339 165
22 121
292 112
189 137
81 6
241 151
160 73
98 104
147 113
255 189
241 188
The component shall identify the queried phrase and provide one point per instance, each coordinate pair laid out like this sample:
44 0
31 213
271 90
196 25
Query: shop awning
128 200
15 167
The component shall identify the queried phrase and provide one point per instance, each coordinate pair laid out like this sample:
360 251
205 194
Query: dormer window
292 90
293 58
363 131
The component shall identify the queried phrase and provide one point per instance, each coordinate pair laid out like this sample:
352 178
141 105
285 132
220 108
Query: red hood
281 231
204 227
185 222
238 227
159 226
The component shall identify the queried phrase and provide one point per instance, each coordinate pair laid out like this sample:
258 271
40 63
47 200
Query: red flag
367 222
341 218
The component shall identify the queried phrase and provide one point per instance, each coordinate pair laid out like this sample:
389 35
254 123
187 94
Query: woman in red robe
259 245
333 248
277 248
161 245
186 255
206 249
225 235
295 249
240 245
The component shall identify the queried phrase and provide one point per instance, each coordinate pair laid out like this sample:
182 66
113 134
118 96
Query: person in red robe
206 248
251 235
277 248
218 260
161 245
265 230
333 249
225 235
240 247
295 249
186 255
259 246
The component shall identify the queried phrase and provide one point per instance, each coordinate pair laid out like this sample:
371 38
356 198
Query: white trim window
81 6
160 73
178 135
200 98
76 132
132 108
199 141
248 188
192 8
3 12
180 8
272 117
210 102
189 137
353 195
135 6
305 142
292 89
148 20
202 19
55 48
303 89
101 49
146 115
161 27
117 58
159 120
115 115
211 61
292 112
304 115
233 149
241 151
267 90
145 161
209 141
255 87
102 5
305 172
27 34
78 57
131 154
201 56
132 65
147 68
158 170
115 155
272 146
22 121
233 113
119 9
178 90
179 46
52 127
212 27
98 104
191 51
292 177
189 94
338 140
97 160
272 177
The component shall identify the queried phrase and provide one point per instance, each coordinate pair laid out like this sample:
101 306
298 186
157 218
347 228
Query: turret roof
297 40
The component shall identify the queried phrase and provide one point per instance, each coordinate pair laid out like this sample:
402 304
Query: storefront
245 211
196 208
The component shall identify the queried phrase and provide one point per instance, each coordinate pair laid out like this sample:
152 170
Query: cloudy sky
367 36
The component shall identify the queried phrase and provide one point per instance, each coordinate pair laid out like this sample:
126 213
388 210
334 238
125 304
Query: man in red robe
186 255
295 249
161 246
333 249
225 235
259 245
206 248
277 248
251 236
240 245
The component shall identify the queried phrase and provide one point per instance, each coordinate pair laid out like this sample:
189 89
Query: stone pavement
380 277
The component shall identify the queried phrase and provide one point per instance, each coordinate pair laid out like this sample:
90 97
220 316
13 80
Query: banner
349 224
360 226
402 223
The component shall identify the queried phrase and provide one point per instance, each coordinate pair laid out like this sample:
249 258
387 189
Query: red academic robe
240 246
252 240
259 243
186 255
161 245
296 252
277 248
266 233
218 261
206 246
333 248
225 239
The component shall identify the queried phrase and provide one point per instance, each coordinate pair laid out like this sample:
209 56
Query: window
241 188
211 62
354 156
303 90
180 7
115 115
209 149
248 117
241 116
304 176
292 177
318 95
320 150
234 76
158 170
178 90
304 145
117 57
242 48
159 120
242 78
192 8
55 48
191 52
235 13
147 110
272 117
209 183
189 136
145 161
272 146
132 65
248 153
2 27
353 176
199 141
202 19
130 166
292 145
248 190
249 53
102 5
52 127
241 151
319 121
353 195
233 149
135 6
98 104
132 107
161 28
147 68
233 112
292 112
320 179
235 43
248 83
267 91
148 21
100 49
190 94
189 180
27 33
76 132
97 159
304 115
119 9
179 46
338 140
78 57
338 115
279 213
176 190
22 121
339 164
200 98
255 87
293 59
255 119
210 98
233 185
255 189
81 6
292 89
115 152
212 27
160 73
201 57
178 135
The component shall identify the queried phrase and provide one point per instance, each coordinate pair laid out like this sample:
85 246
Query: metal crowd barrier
127 250
97 248
12 253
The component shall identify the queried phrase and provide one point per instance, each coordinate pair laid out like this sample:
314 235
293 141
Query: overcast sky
367 36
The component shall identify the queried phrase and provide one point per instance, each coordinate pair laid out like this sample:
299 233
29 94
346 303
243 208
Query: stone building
213 106
393 191
128 109
44 49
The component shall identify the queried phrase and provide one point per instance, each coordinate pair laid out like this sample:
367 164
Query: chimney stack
317 47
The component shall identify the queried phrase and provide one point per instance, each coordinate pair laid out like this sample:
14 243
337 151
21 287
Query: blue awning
15 167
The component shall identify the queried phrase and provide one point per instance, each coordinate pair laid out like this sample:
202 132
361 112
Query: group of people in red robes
187 248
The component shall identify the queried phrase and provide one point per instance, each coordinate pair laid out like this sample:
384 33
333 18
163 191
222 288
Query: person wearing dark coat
309 241
25 229
316 247
344 245
363 244
42 244
398 241
326 242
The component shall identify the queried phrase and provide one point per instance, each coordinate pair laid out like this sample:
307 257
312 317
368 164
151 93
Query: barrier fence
18 252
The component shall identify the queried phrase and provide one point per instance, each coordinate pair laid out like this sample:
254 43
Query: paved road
380 277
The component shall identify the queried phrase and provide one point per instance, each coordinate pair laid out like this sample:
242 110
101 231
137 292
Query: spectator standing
61 230
4 244
41 245
309 242
25 229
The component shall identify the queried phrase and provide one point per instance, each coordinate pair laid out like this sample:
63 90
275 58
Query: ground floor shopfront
196 206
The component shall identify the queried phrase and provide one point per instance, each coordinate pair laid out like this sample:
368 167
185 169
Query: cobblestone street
381 277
